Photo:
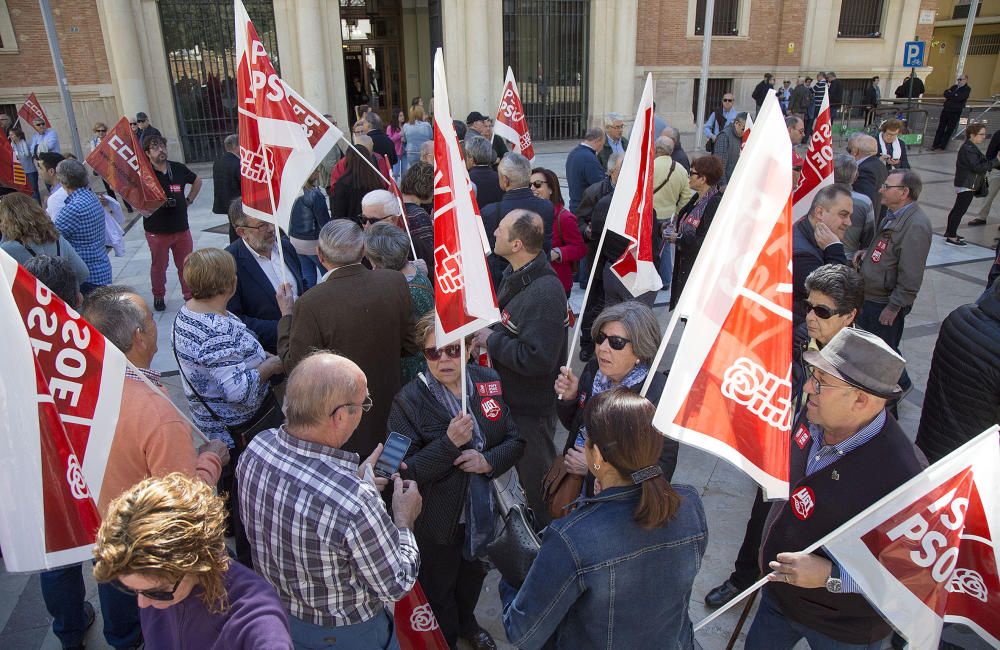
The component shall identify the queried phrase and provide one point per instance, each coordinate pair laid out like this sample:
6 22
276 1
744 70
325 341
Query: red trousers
161 246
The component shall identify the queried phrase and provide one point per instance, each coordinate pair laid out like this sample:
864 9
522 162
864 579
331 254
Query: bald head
320 383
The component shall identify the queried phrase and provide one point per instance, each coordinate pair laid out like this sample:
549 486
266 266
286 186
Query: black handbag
515 544
983 189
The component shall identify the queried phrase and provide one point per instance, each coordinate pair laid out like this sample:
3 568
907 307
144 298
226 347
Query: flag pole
586 296
464 359
671 325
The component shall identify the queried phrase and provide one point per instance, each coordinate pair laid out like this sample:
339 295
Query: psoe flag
121 162
282 137
511 123
729 389
817 172
60 396
924 555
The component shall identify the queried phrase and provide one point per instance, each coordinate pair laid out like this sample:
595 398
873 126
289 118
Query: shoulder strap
180 368
30 250
673 164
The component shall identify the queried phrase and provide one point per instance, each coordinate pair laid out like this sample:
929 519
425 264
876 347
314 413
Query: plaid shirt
151 375
81 222
320 534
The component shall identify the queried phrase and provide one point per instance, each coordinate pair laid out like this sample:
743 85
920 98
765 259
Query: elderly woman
591 586
452 457
971 167
163 541
891 149
694 219
28 232
627 336
22 149
387 247
568 246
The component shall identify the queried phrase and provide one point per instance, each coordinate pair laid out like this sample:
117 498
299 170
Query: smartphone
393 451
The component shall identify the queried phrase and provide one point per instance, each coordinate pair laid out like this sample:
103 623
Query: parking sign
913 54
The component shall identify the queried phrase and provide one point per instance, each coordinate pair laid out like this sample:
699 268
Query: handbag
560 489
515 543
983 190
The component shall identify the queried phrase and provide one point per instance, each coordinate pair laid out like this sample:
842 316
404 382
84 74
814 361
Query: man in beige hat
846 455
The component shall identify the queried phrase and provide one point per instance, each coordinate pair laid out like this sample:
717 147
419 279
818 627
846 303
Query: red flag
924 555
416 626
511 123
31 110
730 392
282 137
11 172
817 172
746 133
464 299
122 163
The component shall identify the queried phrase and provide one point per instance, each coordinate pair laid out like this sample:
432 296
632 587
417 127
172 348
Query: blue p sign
913 54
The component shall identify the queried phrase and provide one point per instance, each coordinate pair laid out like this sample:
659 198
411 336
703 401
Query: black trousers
594 306
947 124
747 570
452 585
962 202
539 454
228 489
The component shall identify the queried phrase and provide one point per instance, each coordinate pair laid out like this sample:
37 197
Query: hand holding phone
392 455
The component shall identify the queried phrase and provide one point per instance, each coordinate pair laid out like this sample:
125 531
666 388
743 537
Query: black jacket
807 256
606 152
760 92
681 157
520 199
971 166
687 248
591 196
835 90
571 414
528 345
431 456
955 98
383 145
225 182
870 97
871 174
309 215
993 148
902 91
487 185
963 388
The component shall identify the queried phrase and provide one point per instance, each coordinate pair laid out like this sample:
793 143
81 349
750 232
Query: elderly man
482 125
528 345
382 205
859 234
264 292
364 314
670 194
817 239
679 154
728 145
951 112
801 98
381 143
615 142
719 119
44 139
871 170
583 169
838 468
796 129
515 176
427 152
81 222
226 179
483 172
319 530
144 130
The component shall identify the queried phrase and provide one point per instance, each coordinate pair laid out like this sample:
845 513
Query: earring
597 466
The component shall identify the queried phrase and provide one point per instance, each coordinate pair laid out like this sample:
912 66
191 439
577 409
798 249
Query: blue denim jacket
602 581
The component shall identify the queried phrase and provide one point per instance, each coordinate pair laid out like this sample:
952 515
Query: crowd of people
299 351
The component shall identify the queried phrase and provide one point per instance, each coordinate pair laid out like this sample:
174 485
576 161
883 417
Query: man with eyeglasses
143 129
263 292
954 103
719 119
838 468
817 239
44 139
318 528
615 140
382 205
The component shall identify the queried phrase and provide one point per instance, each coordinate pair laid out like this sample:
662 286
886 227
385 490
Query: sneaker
978 221
159 304
955 241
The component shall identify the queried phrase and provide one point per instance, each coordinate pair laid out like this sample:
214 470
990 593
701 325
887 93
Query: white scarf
897 150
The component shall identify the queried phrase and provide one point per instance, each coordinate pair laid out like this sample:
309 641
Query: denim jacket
602 581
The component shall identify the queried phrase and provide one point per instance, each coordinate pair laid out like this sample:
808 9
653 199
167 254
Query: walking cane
743 618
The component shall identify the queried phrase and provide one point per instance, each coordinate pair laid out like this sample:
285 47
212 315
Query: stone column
613 87
473 55
310 49
125 57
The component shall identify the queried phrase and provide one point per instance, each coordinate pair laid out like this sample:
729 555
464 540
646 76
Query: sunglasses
538 184
822 311
100 130
616 342
371 220
453 351
728 101
131 123
161 595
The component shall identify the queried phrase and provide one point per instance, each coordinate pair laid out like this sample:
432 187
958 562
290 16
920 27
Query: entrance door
374 78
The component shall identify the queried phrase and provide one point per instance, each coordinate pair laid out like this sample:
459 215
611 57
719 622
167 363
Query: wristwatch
834 583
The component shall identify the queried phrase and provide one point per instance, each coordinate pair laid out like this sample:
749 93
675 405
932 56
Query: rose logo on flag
449 269
256 165
75 478
803 502
752 386
967 581
422 619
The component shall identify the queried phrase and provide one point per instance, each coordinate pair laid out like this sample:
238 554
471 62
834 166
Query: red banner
817 172
31 110
124 165
416 626
11 172
511 124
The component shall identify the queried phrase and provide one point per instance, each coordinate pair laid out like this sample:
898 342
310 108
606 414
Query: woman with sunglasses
452 457
626 336
163 540
568 246
694 220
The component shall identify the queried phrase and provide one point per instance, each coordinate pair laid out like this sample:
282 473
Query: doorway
373 66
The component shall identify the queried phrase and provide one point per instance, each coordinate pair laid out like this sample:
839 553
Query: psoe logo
422 619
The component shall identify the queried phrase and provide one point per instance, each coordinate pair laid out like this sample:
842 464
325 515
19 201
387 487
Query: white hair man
615 140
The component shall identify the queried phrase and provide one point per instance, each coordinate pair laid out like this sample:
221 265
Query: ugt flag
120 160
729 391
416 626
60 395
924 555
464 299
511 123
282 137
630 215
817 172
11 172
31 110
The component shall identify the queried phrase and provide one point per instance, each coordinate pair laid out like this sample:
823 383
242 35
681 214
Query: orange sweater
151 439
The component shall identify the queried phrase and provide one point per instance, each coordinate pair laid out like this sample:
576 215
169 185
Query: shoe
159 304
586 355
978 221
481 640
722 594
955 241
88 612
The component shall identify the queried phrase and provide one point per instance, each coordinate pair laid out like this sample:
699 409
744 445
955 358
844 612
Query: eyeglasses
538 184
822 311
371 220
39 123
616 342
727 100
100 130
161 595
617 126
365 405
266 224
131 123
453 351
818 385
886 186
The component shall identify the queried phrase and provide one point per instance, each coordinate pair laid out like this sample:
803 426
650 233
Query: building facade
982 62
575 60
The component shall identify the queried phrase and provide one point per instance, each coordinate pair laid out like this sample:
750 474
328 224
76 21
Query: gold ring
786 578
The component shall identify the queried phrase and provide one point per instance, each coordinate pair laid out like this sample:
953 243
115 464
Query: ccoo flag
511 123
729 392
464 299
121 162
282 138
31 110
817 172
630 214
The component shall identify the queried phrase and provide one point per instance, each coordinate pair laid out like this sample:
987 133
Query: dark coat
583 169
431 456
585 212
993 148
681 158
487 185
760 92
870 97
871 174
807 256
520 199
884 150
963 388
606 152
346 200
902 91
309 215
687 248
955 98
366 316
971 166
835 90
254 302
225 182
383 145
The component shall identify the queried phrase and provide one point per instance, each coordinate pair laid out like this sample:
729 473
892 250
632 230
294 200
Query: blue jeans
377 633
64 593
772 631
666 265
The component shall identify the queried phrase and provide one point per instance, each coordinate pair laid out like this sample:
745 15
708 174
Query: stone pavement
955 276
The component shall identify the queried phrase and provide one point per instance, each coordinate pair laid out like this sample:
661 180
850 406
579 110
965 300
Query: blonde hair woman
28 232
